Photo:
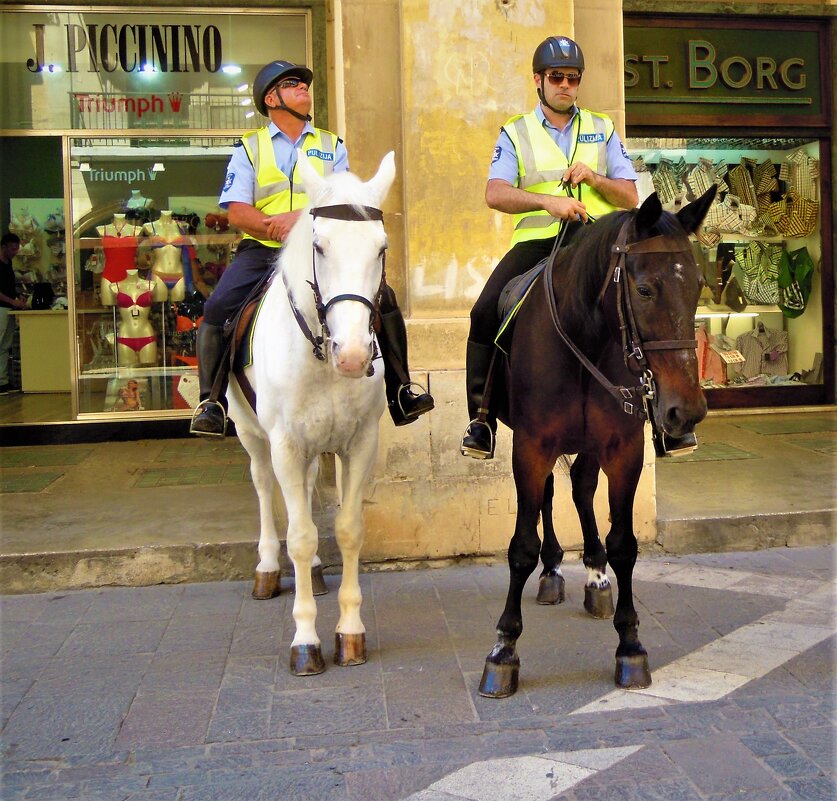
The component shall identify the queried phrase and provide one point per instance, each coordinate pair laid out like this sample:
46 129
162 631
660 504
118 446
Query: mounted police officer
264 198
557 165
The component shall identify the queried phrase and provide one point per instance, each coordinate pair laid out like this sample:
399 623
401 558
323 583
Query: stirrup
205 404
401 405
475 454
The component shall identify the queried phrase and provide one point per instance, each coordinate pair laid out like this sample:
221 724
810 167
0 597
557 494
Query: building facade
119 121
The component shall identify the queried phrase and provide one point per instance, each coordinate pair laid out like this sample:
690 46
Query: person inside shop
265 214
554 167
9 246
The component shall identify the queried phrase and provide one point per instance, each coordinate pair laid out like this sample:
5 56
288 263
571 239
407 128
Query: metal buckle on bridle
649 388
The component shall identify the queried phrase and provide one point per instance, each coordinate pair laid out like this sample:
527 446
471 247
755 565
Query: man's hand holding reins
279 225
618 191
563 208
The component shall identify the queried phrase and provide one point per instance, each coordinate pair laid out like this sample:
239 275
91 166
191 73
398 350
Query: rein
632 399
349 213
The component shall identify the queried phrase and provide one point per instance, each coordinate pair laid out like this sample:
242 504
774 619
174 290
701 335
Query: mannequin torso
119 243
136 338
168 246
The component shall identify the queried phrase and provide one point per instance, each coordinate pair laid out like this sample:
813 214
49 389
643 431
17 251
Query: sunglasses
289 83
557 78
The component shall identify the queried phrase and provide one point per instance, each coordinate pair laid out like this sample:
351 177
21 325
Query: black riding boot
478 439
405 406
210 417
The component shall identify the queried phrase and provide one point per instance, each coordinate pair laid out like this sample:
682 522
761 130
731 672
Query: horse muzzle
351 360
680 417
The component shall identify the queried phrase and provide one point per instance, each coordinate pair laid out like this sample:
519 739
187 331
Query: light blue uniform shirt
240 183
504 161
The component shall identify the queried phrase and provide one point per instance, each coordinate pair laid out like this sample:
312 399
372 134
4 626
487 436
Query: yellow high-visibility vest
541 165
275 192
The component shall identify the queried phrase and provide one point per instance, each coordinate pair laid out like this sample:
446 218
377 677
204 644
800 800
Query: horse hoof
551 590
599 603
306 660
318 584
632 672
349 649
266 585
500 680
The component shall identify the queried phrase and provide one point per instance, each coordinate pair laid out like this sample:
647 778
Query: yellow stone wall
434 80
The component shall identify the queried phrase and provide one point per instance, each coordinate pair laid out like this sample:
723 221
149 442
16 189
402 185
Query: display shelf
718 310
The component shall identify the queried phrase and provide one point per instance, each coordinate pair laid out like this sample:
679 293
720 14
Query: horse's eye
319 248
645 291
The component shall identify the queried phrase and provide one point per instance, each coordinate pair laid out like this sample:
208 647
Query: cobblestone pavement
182 693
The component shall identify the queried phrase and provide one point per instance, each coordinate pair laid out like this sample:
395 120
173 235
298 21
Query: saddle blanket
244 338
511 299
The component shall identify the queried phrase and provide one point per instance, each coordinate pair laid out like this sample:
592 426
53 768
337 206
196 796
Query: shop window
150 244
759 322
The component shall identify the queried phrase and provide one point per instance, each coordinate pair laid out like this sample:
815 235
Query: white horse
318 392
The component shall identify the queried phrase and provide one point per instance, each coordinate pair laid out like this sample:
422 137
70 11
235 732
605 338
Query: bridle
633 400
349 213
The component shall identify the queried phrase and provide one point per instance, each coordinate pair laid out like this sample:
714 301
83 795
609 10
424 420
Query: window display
148 256
759 248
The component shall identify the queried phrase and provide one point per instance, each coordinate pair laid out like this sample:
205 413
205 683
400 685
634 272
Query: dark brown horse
604 339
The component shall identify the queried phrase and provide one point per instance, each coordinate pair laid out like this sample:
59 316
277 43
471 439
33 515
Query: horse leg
598 596
317 580
502 665
350 634
632 670
266 584
551 583
292 473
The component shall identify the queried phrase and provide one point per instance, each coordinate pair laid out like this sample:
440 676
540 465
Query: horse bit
349 213
633 348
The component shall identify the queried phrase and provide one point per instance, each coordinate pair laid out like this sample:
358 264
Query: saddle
511 299
238 347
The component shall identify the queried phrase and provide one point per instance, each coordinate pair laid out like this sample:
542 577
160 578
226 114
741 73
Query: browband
348 212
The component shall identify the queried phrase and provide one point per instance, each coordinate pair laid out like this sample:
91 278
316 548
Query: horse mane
581 267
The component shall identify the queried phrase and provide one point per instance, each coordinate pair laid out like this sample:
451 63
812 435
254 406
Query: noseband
349 213
633 400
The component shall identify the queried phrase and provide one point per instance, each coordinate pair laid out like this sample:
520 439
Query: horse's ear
381 182
311 179
691 216
649 212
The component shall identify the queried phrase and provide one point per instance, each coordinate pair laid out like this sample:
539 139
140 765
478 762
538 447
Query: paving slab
178 692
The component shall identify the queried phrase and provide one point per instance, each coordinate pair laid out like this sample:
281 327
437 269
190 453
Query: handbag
796 275
42 295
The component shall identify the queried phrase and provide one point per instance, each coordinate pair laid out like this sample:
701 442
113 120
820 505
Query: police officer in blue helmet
264 202
555 167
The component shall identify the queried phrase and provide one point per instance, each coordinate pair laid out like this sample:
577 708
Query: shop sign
83 69
723 72
132 48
